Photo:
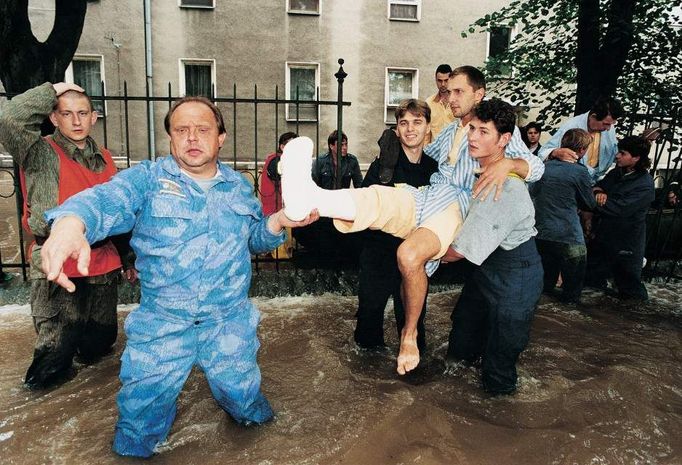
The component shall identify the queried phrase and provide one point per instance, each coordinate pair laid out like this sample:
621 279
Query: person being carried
493 315
563 190
428 217
52 169
195 224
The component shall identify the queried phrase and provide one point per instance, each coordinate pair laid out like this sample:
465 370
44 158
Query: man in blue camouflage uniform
195 223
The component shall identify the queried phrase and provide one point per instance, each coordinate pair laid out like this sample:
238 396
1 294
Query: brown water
597 386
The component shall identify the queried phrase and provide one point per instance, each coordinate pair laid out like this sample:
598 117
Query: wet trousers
493 315
604 260
161 350
568 259
380 279
82 322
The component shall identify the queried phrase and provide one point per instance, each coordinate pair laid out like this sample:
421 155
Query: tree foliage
568 52
26 62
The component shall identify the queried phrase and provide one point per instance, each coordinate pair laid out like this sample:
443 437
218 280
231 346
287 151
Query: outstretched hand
67 240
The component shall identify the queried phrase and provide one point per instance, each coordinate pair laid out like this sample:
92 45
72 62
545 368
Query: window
88 72
499 38
404 10
197 3
197 77
401 83
304 79
305 7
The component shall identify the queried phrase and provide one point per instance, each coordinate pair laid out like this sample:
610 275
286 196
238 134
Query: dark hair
414 106
637 147
532 125
444 68
333 137
286 137
216 112
474 76
499 112
576 139
71 93
605 106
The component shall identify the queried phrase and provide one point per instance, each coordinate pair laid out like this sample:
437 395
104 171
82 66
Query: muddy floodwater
598 385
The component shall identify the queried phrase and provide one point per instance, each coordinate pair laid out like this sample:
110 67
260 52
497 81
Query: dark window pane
87 74
308 6
399 86
304 80
208 3
403 11
198 80
499 40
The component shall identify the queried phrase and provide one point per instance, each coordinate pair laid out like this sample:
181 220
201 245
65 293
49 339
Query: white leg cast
297 185
300 193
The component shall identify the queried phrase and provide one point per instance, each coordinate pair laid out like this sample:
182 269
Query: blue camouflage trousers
161 350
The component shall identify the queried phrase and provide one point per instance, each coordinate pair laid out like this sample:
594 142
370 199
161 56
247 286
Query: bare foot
408 357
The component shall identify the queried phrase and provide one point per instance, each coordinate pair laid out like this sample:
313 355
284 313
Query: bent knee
411 259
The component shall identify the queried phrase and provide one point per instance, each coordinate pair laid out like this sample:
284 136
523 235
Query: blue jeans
492 318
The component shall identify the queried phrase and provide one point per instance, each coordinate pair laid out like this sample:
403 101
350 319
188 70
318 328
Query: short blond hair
576 140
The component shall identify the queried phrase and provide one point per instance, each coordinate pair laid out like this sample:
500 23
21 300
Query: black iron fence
253 122
664 222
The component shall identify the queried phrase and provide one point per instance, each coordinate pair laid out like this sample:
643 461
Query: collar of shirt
89 152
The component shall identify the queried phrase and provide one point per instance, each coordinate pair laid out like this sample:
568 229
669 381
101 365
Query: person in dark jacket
563 189
379 274
623 199
324 169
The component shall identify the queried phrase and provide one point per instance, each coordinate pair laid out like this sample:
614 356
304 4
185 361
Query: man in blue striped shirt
427 218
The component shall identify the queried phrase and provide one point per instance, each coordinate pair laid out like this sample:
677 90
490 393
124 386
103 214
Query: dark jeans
83 322
379 280
493 316
568 259
604 260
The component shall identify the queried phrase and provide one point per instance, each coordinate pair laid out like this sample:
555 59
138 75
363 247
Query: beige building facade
391 49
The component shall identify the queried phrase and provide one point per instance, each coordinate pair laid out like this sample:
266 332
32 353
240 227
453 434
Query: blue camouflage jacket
193 247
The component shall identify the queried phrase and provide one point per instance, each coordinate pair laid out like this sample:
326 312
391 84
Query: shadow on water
598 385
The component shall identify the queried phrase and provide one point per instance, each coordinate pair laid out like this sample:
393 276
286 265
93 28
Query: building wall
251 41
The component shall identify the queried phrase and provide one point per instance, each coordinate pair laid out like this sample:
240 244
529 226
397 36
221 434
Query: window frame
201 7
290 107
303 12
415 90
512 34
417 3
182 85
68 76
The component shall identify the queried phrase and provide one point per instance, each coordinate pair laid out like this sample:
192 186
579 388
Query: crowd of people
455 179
